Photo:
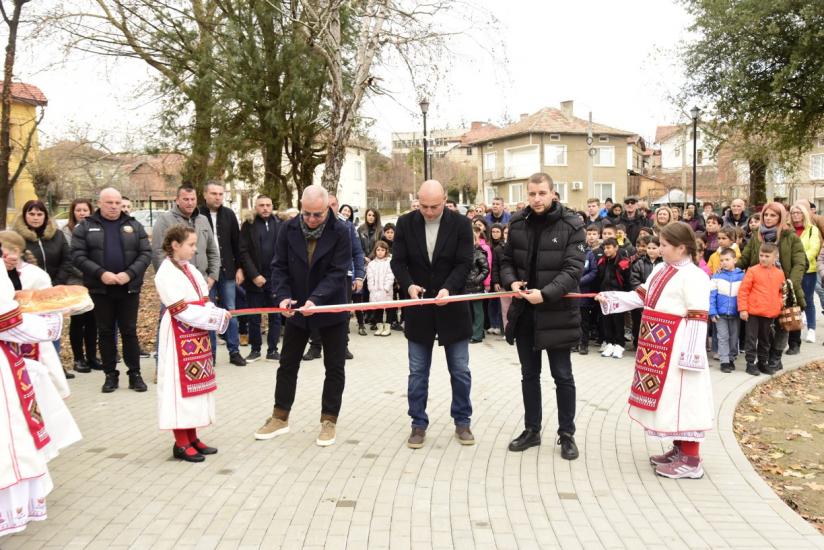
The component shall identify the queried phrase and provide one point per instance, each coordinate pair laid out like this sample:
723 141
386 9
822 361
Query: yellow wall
23 117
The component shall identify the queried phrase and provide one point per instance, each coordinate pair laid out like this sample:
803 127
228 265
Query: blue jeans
494 310
457 361
808 286
223 294
261 300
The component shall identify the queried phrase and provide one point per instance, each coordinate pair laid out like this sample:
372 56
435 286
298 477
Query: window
357 167
491 193
516 193
700 156
677 151
817 167
605 156
555 155
490 161
554 137
562 187
603 139
521 162
604 190
469 151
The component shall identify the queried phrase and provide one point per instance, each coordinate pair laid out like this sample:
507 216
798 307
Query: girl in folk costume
185 369
27 276
381 283
37 423
671 394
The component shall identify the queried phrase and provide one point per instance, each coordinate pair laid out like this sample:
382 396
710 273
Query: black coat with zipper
251 232
561 251
228 238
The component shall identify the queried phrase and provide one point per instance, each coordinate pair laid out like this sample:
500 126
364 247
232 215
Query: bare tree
8 179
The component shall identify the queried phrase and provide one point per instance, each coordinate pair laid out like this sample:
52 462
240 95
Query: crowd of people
674 285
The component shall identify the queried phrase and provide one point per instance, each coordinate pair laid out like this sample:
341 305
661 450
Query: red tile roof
551 121
27 93
480 133
663 132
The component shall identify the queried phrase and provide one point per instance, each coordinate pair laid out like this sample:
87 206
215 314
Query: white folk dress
671 392
34 278
185 369
29 434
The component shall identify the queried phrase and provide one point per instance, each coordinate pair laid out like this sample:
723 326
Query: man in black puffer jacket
543 260
112 250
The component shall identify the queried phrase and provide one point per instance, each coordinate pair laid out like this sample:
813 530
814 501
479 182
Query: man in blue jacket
312 256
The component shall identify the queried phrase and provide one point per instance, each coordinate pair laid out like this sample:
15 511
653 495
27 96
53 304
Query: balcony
512 172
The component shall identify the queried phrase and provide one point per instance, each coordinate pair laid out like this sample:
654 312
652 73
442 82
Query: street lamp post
424 109
695 112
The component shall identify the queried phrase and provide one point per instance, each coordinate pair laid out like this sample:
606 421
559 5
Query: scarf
768 235
309 233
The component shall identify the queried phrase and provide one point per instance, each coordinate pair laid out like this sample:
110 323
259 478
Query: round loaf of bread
61 298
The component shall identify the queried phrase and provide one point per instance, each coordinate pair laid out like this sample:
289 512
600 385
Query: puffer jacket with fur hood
51 251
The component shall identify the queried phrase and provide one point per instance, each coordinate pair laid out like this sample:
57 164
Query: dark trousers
477 310
614 329
315 337
758 339
560 366
117 308
261 300
83 334
587 319
333 339
242 303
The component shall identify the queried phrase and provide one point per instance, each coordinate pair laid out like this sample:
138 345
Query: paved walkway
119 487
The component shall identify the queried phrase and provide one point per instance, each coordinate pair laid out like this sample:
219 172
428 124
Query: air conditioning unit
577 185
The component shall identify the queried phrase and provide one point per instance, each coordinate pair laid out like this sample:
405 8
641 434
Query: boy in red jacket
759 302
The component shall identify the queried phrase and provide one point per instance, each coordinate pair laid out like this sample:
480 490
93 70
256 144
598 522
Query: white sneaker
607 351
603 346
811 335
617 352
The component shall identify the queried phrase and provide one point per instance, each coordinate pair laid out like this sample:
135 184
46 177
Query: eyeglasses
630 201
316 215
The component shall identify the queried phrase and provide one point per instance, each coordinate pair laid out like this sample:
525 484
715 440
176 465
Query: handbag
790 317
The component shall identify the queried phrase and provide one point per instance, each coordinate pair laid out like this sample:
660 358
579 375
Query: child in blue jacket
724 308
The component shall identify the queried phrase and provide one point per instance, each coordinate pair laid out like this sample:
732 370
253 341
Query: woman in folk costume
185 369
37 423
671 394
27 276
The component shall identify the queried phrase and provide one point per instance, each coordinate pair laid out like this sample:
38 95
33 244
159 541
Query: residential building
441 141
555 141
803 181
25 100
352 183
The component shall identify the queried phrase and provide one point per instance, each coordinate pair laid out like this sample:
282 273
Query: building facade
25 101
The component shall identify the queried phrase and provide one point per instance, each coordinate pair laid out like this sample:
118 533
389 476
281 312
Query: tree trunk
5 117
758 182
272 153
196 170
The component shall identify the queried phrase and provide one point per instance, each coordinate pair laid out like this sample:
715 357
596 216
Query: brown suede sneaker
464 435
415 440
274 426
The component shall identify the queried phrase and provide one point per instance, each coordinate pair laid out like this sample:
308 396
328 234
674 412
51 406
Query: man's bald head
110 202
314 205
432 199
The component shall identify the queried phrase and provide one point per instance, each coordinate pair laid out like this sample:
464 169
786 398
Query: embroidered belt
655 342
194 354
25 392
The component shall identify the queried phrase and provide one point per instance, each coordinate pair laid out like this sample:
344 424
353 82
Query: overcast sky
614 58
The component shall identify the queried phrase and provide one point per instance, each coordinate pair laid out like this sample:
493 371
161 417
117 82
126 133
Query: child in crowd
753 223
496 241
393 315
701 246
185 370
759 302
475 283
724 288
671 393
613 275
589 284
381 283
727 238
647 258
623 242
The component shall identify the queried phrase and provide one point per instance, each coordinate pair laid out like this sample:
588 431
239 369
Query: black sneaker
349 354
81 366
94 364
145 354
112 382
527 439
136 383
68 374
583 350
311 353
396 326
273 356
752 369
361 330
237 359
373 327
726 367
253 356
794 349
569 450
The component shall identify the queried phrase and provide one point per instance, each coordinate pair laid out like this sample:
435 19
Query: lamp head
424 105
695 112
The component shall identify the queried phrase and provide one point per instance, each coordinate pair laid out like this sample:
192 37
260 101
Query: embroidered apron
194 350
25 392
655 342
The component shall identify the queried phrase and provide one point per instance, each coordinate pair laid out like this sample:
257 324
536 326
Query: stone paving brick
120 488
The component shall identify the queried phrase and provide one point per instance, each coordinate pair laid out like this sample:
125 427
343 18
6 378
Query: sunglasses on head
630 201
